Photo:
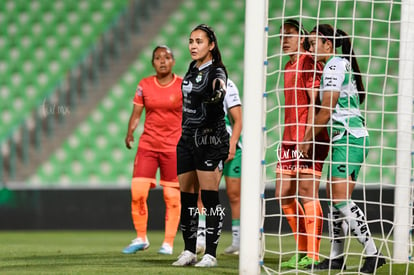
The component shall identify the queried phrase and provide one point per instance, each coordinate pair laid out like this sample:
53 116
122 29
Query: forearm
323 116
235 116
134 119
319 123
311 114
236 132
132 125
310 120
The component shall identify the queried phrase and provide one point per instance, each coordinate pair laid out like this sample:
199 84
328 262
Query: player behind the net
342 91
296 176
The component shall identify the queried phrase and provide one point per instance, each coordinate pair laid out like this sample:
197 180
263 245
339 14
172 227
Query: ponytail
341 39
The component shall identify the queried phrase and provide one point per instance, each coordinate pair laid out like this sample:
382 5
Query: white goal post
254 135
403 206
253 117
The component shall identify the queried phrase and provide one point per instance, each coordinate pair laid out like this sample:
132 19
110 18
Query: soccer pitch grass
96 252
99 252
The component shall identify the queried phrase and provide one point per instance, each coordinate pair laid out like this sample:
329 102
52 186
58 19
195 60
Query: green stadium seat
101 157
38 33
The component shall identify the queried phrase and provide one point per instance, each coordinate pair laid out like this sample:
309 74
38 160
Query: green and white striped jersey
338 76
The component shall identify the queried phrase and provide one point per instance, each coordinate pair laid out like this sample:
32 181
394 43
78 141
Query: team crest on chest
199 77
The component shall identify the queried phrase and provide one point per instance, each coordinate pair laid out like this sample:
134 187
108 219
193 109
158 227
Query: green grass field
99 252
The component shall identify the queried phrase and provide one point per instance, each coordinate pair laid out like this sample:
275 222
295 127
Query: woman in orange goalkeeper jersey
161 96
296 176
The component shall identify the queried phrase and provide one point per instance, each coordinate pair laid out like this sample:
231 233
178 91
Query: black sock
189 220
214 219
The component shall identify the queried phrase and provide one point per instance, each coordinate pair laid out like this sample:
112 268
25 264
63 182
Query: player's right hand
128 141
305 150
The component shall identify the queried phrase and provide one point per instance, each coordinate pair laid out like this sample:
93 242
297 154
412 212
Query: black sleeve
220 73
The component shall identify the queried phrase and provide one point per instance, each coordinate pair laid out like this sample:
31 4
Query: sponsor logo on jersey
188 110
138 91
187 87
329 80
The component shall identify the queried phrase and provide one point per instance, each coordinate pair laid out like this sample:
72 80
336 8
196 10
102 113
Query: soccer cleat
186 258
232 250
337 263
306 263
372 263
293 261
165 249
136 245
207 261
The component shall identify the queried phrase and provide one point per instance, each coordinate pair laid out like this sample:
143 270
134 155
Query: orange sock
314 223
295 217
139 207
172 213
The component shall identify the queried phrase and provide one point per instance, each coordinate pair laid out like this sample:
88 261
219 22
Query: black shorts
205 149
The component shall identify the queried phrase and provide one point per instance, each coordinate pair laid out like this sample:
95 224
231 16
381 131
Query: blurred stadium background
68 73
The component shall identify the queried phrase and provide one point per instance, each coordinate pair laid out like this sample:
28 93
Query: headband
208 30
337 37
296 24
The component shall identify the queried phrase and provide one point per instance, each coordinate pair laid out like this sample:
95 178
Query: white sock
336 232
235 232
358 225
201 231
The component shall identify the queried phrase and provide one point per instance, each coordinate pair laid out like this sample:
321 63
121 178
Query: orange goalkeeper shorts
147 162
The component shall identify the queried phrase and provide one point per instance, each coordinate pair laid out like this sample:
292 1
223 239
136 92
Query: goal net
382 36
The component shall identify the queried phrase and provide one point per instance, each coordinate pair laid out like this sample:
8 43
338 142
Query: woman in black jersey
203 146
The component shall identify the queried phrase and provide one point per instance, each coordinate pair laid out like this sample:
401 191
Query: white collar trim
205 65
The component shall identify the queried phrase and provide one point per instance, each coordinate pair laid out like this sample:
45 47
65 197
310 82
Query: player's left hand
232 152
230 157
218 93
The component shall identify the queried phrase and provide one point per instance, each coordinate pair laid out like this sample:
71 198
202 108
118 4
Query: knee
278 193
284 196
172 197
234 196
284 189
139 197
210 198
139 191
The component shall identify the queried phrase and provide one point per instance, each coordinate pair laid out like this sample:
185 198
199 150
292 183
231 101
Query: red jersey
299 77
163 112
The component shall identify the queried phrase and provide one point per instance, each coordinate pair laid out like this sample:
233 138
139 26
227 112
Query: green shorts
347 155
232 168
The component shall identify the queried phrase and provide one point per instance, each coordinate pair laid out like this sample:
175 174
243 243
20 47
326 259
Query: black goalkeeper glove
217 95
